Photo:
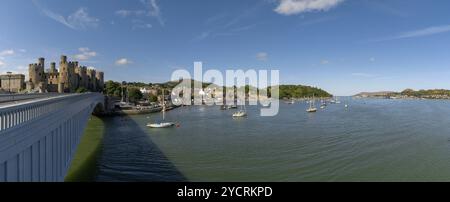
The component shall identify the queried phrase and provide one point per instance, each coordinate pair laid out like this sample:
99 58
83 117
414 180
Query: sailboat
162 124
241 113
312 107
337 100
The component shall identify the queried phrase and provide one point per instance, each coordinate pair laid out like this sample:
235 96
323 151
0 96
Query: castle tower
63 83
100 81
37 74
72 77
83 80
53 68
41 61
92 80
63 59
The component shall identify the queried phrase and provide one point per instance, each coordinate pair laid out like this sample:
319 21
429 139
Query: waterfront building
12 82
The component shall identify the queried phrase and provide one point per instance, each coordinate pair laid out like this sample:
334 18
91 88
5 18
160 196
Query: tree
113 88
134 94
82 90
152 98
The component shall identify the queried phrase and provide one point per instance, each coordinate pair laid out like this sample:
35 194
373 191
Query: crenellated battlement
67 79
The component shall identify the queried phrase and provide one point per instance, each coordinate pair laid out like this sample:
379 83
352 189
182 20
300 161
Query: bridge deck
13 99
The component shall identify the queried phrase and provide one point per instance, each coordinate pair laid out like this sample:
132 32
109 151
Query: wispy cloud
202 36
127 13
365 75
85 54
140 24
262 56
225 24
7 52
79 20
123 62
151 9
325 62
292 7
420 33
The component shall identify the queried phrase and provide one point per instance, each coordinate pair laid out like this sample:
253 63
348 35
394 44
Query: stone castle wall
67 79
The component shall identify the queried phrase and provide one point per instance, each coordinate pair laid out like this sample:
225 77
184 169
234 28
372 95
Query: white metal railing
38 138
19 97
16 114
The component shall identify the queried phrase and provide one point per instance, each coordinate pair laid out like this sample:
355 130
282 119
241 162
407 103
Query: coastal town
407 94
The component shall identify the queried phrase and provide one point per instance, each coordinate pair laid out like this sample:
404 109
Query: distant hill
286 91
375 94
409 93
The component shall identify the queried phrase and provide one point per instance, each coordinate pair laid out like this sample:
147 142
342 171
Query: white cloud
366 75
291 7
424 32
262 56
23 68
151 9
203 35
140 24
7 52
79 20
127 13
2 63
324 62
85 54
123 61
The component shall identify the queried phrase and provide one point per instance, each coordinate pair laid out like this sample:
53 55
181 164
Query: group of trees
116 89
299 91
422 93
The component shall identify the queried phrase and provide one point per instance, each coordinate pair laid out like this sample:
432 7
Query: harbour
372 140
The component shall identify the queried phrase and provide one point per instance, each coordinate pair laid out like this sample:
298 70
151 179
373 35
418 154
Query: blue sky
342 46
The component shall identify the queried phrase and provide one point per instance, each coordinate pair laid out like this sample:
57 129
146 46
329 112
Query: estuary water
372 140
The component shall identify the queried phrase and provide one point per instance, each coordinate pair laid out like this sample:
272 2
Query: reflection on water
129 155
372 140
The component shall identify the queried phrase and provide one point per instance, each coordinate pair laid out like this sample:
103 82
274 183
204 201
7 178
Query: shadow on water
129 155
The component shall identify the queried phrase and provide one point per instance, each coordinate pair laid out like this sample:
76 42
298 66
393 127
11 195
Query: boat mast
164 105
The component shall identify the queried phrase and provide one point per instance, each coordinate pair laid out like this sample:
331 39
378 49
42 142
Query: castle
70 77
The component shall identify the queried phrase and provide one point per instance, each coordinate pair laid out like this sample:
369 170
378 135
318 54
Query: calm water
373 140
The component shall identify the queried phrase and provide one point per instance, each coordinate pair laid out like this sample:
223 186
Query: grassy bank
84 164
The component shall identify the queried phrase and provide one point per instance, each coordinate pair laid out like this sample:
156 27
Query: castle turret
53 68
63 83
82 76
100 80
37 75
92 79
41 62
63 59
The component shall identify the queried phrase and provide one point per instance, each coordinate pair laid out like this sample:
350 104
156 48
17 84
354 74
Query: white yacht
241 113
312 107
162 124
